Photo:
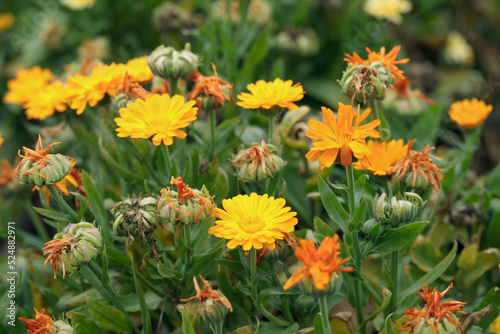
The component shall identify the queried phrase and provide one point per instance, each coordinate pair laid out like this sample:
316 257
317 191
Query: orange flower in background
434 312
139 69
253 221
266 95
383 156
1 139
6 20
159 116
47 101
7 173
26 84
319 264
340 135
418 165
469 113
388 59
42 324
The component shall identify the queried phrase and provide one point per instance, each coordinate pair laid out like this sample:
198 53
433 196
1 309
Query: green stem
350 187
186 233
62 203
323 307
172 85
253 271
168 161
284 300
268 315
394 277
212 134
271 129
372 103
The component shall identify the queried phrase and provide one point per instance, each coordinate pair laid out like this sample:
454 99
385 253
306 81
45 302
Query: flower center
252 225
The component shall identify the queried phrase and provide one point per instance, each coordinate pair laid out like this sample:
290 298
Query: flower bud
305 304
167 62
444 326
372 228
56 167
135 217
360 81
399 211
416 180
214 313
63 327
258 163
296 41
308 287
121 100
284 249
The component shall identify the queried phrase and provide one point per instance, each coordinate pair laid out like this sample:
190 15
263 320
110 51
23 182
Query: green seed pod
308 287
372 228
416 180
281 252
258 163
63 327
401 209
135 217
305 304
55 169
363 82
121 100
214 313
167 62
443 327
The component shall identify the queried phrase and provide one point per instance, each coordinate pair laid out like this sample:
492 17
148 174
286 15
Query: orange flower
42 324
418 165
383 156
434 312
340 135
55 249
388 59
7 173
318 264
469 113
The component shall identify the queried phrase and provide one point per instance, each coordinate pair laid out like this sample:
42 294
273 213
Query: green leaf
485 260
276 291
115 166
83 324
318 325
255 55
108 316
83 204
359 186
322 228
333 207
105 276
53 214
234 266
146 318
167 272
86 273
187 327
431 276
398 238
97 207
492 297
386 298
424 254
388 325
359 217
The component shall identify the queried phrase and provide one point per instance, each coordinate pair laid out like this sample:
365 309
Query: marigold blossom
495 326
319 264
26 84
383 156
47 101
157 116
340 135
469 113
7 173
266 95
139 69
6 20
388 59
253 221
42 324
387 9
434 311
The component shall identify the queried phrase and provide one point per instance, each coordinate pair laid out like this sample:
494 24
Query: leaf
53 214
105 276
359 217
97 207
398 238
255 55
424 254
318 325
115 166
485 260
187 327
146 318
492 297
468 256
431 276
388 325
108 316
276 291
386 298
83 324
333 207
359 186
341 323
83 204
167 272
322 228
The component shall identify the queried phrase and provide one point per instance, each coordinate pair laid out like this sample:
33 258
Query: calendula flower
383 156
139 69
253 221
210 92
418 169
7 173
388 59
258 11
159 116
1 139
25 84
47 101
340 135
78 4
495 326
43 324
104 79
387 9
273 96
435 315
469 113
6 20
319 264
457 50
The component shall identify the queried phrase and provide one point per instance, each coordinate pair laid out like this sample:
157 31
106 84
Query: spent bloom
253 221
26 83
388 9
340 135
469 113
387 59
159 116
43 324
6 20
405 100
73 178
383 156
258 163
435 315
320 265
271 97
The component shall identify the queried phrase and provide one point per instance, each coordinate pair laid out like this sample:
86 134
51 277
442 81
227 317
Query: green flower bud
305 304
56 167
275 110
214 313
63 327
121 100
372 228
361 81
400 210
283 249
421 182
135 217
258 163
167 62
443 327
296 41
307 286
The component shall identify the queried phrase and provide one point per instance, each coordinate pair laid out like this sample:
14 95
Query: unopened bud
258 163
167 62
444 326
400 210
63 327
361 82
308 287
305 304
372 228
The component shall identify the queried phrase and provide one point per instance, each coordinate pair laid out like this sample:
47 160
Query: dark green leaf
333 207
146 318
108 316
53 214
398 238
97 207
83 324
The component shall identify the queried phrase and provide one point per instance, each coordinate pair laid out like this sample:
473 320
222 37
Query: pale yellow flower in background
388 9
6 20
78 4
457 51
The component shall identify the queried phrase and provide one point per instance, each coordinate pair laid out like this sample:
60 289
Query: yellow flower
78 4
25 84
388 9
6 20
253 221
319 264
45 102
92 89
266 95
457 50
139 69
160 116
340 135
495 326
384 155
469 113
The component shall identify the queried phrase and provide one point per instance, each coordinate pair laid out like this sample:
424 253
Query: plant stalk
271 129
172 85
186 233
323 307
62 203
253 271
394 277
212 134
